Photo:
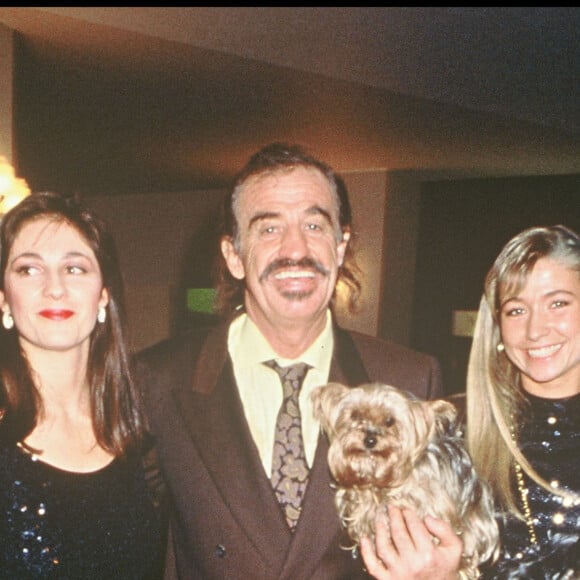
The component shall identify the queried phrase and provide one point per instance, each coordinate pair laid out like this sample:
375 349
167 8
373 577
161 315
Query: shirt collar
249 347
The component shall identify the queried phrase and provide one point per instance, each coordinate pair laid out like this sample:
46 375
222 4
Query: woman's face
52 287
540 328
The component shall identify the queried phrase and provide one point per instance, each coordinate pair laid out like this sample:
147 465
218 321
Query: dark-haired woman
73 497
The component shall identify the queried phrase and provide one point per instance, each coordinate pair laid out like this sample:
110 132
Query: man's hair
271 159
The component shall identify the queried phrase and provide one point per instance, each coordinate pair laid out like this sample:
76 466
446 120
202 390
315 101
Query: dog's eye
389 422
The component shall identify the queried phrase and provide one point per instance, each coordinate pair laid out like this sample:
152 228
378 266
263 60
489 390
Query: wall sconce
12 189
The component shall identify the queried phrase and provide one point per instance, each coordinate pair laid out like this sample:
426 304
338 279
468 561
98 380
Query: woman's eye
27 270
559 303
514 312
75 270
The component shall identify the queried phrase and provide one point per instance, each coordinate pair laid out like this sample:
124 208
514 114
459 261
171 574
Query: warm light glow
12 189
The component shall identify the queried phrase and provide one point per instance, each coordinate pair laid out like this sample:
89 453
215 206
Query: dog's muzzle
370 439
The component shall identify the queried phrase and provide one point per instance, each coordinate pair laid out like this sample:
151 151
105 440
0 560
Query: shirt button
220 551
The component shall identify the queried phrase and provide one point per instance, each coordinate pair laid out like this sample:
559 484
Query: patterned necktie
289 466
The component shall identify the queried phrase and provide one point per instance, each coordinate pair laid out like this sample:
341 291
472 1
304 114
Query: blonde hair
495 398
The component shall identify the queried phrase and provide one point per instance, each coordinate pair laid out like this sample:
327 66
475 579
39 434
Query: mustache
304 263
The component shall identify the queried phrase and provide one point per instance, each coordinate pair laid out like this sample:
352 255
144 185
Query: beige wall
156 233
401 227
367 192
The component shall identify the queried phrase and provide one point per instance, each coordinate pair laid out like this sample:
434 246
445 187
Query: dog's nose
370 439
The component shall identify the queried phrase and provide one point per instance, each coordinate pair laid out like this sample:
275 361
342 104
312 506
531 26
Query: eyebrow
317 210
550 294
36 255
313 210
265 215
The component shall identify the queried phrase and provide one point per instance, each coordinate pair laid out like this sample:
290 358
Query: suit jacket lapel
319 523
346 366
212 406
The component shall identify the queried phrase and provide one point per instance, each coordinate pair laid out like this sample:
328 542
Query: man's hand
413 549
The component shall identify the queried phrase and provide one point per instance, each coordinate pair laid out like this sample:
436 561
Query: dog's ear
325 404
444 414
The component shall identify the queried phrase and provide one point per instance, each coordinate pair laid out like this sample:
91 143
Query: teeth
294 274
546 351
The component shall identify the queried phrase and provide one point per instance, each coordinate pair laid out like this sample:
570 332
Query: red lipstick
56 314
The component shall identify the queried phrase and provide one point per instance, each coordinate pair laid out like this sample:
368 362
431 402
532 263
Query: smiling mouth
56 314
293 274
287 269
544 351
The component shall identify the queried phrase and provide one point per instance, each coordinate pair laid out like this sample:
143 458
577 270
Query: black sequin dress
89 526
550 440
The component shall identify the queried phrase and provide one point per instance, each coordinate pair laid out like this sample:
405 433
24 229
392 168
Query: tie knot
291 376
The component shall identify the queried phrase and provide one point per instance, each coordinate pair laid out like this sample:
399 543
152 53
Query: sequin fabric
59 524
550 440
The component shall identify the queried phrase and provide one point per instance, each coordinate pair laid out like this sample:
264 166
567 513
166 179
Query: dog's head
377 432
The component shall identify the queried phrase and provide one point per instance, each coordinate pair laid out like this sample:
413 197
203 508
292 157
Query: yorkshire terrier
388 447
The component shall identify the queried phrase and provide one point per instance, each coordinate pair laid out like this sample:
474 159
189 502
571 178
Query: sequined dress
61 524
550 440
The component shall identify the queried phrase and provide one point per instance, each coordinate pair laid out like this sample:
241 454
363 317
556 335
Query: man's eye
559 303
268 230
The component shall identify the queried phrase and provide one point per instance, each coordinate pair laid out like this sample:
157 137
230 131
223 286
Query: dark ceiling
111 100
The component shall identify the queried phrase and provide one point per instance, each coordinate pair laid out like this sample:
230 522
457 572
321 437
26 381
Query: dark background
463 226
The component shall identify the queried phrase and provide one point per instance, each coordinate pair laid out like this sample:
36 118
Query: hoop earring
7 320
500 347
101 314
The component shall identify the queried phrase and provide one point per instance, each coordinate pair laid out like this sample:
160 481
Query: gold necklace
568 500
524 492
525 503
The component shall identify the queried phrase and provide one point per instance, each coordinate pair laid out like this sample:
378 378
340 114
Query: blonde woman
523 402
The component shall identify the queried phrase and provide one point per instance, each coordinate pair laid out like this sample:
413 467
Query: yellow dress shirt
260 387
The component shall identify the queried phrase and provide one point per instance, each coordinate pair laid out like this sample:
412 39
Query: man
213 399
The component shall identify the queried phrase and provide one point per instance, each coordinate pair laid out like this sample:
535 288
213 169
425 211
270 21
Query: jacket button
220 551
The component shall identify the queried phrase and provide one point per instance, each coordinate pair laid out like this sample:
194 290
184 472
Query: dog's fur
387 447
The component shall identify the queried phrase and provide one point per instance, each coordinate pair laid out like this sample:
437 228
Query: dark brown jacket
225 520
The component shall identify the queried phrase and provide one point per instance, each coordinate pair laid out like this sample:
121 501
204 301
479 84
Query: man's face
290 247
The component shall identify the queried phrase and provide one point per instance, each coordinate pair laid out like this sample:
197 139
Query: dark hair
114 406
271 159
